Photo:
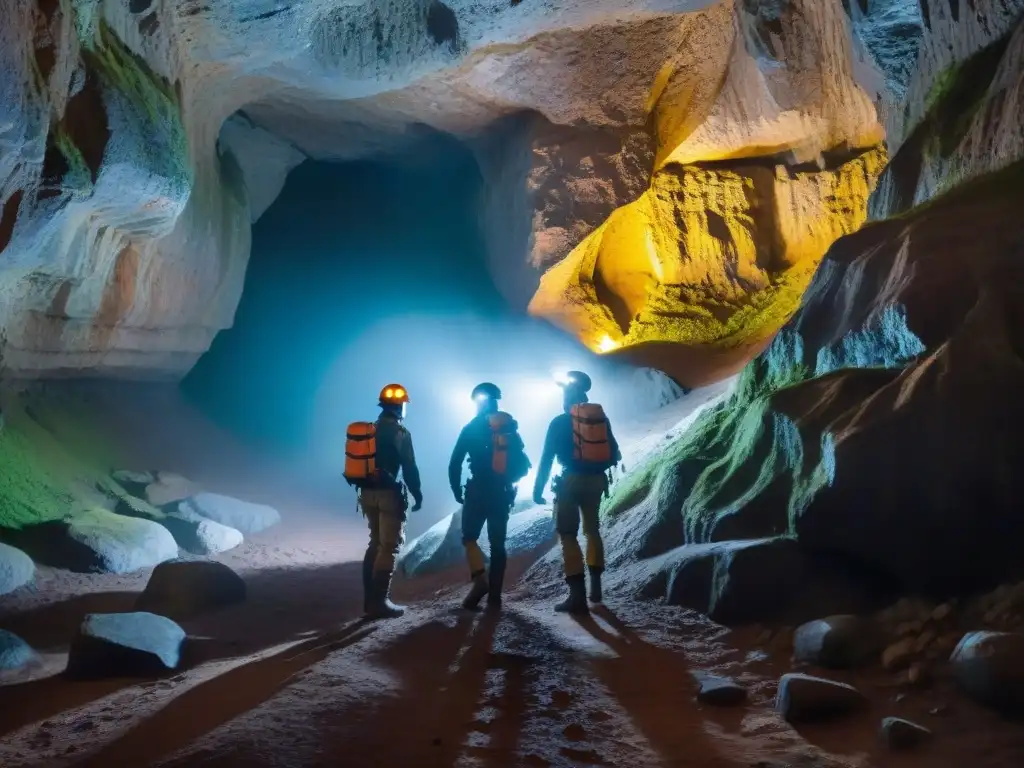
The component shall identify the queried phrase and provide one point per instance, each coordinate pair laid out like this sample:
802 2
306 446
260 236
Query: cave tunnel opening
364 273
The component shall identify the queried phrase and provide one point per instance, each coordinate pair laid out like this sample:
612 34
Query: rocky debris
898 734
180 589
241 515
721 692
741 582
97 540
803 698
440 547
125 645
837 642
199 535
16 569
900 654
15 653
989 666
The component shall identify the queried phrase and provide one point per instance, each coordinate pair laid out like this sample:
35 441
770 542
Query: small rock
899 654
200 536
782 641
938 711
926 638
15 653
16 569
942 612
838 642
918 674
179 589
721 692
898 734
803 698
124 645
989 666
241 515
909 628
134 482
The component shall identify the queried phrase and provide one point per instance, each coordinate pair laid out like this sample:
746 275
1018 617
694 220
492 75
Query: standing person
375 454
497 461
581 439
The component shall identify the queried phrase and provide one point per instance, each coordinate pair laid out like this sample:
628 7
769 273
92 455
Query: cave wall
128 187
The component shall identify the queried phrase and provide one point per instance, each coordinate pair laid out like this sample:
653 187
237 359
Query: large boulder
125 644
990 667
181 589
241 515
440 546
838 642
804 699
16 569
15 653
199 535
168 487
96 540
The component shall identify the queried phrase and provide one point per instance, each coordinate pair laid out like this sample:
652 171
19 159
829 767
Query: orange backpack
361 453
590 434
508 459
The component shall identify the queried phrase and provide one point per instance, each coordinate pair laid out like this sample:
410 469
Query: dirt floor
293 678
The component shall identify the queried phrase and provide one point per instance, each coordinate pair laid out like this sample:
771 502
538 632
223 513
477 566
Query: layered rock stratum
674 169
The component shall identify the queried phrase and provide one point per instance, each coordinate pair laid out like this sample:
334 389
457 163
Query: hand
418 503
457 493
538 498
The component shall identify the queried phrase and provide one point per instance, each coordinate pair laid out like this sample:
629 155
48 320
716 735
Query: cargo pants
491 505
385 513
578 498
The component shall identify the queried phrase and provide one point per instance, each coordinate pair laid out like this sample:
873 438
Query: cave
783 240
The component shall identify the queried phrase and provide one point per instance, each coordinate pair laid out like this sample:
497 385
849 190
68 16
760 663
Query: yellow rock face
712 254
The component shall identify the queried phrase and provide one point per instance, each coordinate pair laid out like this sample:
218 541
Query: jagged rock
721 692
898 734
989 666
803 698
15 653
125 644
16 569
899 654
181 589
241 515
838 642
198 535
98 540
942 612
440 547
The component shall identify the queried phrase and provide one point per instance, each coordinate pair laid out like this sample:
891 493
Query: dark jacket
474 441
394 453
559 444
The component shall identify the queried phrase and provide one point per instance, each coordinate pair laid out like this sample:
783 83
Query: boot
381 607
596 596
577 601
476 592
369 593
495 581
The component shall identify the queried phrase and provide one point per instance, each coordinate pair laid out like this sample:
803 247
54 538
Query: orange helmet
394 394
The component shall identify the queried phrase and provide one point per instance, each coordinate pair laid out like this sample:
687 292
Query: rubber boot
577 600
596 595
369 592
382 607
476 592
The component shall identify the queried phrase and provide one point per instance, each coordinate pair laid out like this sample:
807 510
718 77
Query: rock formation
679 167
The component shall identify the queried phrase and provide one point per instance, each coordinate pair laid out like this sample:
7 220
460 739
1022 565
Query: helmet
577 380
487 390
394 394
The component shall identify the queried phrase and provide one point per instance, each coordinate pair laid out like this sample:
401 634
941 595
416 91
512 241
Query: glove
538 498
457 493
418 505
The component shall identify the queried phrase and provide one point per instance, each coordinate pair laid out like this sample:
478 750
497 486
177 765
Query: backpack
361 454
508 456
590 443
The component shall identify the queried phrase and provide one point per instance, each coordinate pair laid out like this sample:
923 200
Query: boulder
16 569
15 653
837 642
133 481
803 698
179 589
199 535
721 692
96 540
125 645
440 547
900 654
989 666
898 734
241 515
168 488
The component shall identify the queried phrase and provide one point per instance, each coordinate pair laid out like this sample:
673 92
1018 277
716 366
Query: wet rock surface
125 645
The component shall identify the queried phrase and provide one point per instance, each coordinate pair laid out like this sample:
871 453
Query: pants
579 497
384 510
491 505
